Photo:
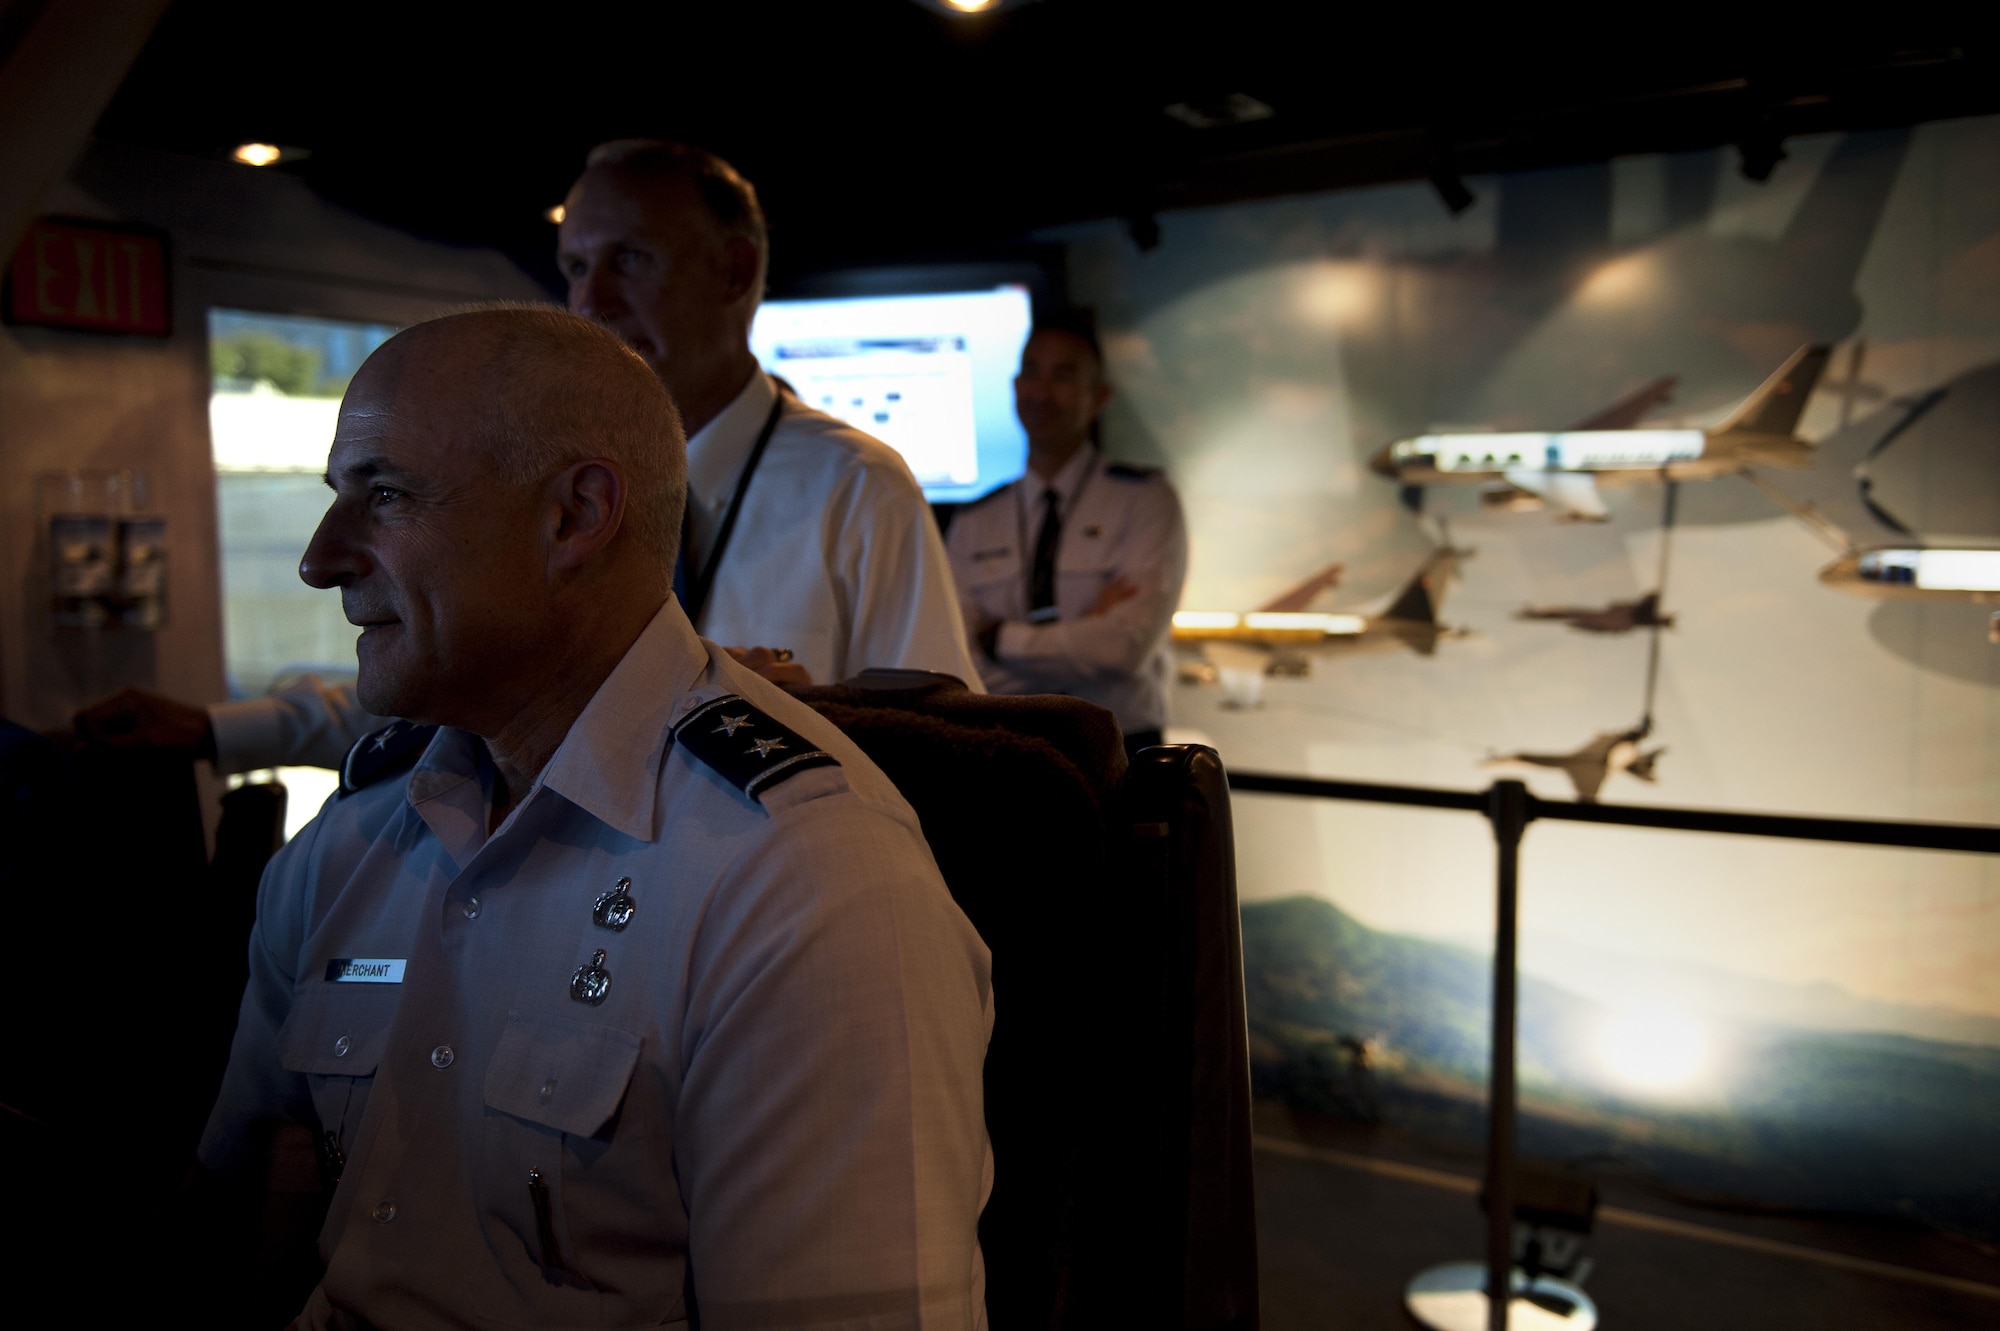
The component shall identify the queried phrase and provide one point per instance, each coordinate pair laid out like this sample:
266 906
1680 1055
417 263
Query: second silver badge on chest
614 908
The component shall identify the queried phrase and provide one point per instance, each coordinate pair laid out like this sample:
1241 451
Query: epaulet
751 750
1131 471
392 749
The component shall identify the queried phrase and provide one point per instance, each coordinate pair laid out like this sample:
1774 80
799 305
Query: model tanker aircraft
1565 467
1240 648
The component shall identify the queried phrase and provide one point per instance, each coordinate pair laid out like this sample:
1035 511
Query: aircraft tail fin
1630 410
1774 409
1418 602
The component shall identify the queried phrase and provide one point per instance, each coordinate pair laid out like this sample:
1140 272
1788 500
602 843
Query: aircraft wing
1574 492
1301 596
1629 411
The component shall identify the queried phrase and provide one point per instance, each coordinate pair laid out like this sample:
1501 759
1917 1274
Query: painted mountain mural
1362 1024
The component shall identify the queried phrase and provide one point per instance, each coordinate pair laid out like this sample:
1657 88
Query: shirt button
472 908
341 1046
385 1211
548 1090
441 1056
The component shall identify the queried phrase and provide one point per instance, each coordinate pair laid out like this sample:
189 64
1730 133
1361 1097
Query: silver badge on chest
591 983
614 908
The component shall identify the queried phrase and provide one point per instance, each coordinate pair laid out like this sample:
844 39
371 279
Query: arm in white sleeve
310 724
830 1139
1119 641
889 563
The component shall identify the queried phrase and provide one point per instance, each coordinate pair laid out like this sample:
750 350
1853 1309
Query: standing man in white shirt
808 543
1070 575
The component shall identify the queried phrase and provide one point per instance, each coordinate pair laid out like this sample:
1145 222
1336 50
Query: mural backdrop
1788 1023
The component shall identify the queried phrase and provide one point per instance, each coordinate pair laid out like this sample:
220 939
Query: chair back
1117 1082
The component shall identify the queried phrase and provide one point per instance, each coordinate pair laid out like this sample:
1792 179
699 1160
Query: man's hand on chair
136 719
775 664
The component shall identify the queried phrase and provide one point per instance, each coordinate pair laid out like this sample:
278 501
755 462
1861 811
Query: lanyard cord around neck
698 593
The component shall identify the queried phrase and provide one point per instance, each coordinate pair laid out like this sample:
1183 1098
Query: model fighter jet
1564 468
1589 767
1618 617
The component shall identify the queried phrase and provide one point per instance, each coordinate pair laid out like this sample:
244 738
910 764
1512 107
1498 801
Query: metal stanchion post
1477 1296
1507 810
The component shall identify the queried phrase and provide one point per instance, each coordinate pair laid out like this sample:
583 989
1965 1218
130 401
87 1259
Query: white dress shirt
835 556
1117 521
780 1090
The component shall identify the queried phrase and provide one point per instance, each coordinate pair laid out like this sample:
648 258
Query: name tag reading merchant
365 970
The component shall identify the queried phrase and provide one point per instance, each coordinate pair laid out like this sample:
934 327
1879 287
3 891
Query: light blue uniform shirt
781 1087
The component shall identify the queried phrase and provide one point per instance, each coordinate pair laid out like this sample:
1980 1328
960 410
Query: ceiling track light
266 154
1236 108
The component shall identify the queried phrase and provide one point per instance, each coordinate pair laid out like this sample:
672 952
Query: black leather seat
1117 1082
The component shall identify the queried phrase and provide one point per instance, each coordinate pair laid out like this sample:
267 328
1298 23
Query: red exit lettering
76 274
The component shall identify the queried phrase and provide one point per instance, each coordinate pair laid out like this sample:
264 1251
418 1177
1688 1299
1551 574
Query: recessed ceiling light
257 154
968 8
556 214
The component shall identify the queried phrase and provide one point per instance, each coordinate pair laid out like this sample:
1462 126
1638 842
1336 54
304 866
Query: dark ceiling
880 130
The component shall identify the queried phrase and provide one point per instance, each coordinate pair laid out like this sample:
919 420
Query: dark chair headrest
1084 733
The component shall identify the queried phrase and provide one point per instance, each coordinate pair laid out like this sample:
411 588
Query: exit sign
70 273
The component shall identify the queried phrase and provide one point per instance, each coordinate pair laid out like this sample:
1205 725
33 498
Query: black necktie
1042 582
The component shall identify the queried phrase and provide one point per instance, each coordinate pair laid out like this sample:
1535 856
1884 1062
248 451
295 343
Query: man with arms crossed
831 555
1070 575
631 989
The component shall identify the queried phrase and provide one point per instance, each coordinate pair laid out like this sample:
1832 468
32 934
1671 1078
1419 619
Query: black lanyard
698 592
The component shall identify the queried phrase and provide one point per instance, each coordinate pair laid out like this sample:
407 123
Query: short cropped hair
730 199
1078 322
566 389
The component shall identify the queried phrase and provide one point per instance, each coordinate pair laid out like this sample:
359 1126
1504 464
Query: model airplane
1618 617
1240 648
1918 573
1589 767
1564 468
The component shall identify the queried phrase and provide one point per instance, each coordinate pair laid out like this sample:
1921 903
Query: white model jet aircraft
1564 468
1919 573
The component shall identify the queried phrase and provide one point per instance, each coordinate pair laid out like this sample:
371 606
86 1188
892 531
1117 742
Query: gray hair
566 390
731 201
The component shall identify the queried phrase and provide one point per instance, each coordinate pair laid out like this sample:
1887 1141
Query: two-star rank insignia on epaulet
392 749
750 749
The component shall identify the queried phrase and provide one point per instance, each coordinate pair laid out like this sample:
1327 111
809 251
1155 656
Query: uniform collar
717 451
1066 482
609 763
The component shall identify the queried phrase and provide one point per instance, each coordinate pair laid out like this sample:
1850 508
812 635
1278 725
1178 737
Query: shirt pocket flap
338 1030
567 1075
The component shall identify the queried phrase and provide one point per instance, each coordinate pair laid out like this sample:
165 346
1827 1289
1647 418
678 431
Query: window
275 396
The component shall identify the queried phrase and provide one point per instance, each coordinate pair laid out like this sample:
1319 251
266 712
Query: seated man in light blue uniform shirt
617 987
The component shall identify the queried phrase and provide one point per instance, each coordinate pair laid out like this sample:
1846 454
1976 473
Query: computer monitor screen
932 376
